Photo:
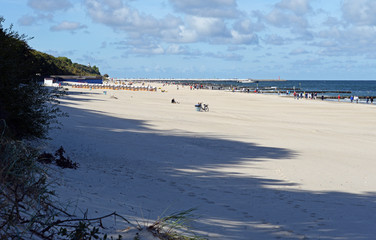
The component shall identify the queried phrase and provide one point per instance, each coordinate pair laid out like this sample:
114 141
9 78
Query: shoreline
248 90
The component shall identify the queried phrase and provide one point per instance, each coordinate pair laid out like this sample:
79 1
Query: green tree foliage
27 108
46 65
15 56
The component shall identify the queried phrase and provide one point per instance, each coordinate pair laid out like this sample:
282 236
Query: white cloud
28 20
359 12
310 62
292 15
352 35
49 5
157 49
187 35
123 17
207 8
233 48
299 7
68 26
171 29
275 39
208 27
282 19
114 3
175 49
225 56
353 41
332 21
246 26
298 51
148 50
239 38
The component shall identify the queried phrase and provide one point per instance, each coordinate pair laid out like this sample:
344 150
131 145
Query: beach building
50 82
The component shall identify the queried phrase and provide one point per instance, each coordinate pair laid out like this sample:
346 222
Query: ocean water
327 88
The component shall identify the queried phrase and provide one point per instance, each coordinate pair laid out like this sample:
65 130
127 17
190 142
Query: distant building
80 79
50 82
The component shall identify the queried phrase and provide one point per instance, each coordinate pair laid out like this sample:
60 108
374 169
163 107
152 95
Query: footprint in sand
246 215
191 194
207 201
228 207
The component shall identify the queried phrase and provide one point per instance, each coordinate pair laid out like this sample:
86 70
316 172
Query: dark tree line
46 64
26 108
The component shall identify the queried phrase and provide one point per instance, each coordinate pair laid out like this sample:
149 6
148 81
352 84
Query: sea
344 88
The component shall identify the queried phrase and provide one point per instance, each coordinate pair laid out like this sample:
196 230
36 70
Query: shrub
24 194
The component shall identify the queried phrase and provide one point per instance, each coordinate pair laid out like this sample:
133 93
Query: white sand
255 166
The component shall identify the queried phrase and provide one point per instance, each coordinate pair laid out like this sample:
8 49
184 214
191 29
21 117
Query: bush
24 194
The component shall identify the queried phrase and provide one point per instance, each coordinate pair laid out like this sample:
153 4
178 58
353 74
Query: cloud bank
229 30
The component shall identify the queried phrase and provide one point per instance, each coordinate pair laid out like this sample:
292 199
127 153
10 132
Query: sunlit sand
255 166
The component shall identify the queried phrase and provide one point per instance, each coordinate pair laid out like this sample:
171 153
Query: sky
290 39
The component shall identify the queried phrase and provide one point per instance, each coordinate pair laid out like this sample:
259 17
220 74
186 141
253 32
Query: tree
95 68
27 108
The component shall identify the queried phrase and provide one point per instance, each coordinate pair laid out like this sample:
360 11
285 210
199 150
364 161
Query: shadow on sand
176 168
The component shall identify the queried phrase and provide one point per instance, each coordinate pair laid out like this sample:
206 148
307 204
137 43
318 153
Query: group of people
313 95
306 95
196 86
356 99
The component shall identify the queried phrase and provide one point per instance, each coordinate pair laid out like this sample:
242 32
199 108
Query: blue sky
293 39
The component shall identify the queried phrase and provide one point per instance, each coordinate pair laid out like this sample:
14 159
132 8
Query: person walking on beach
339 97
371 98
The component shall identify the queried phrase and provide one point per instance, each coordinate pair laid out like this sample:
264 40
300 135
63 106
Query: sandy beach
254 167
